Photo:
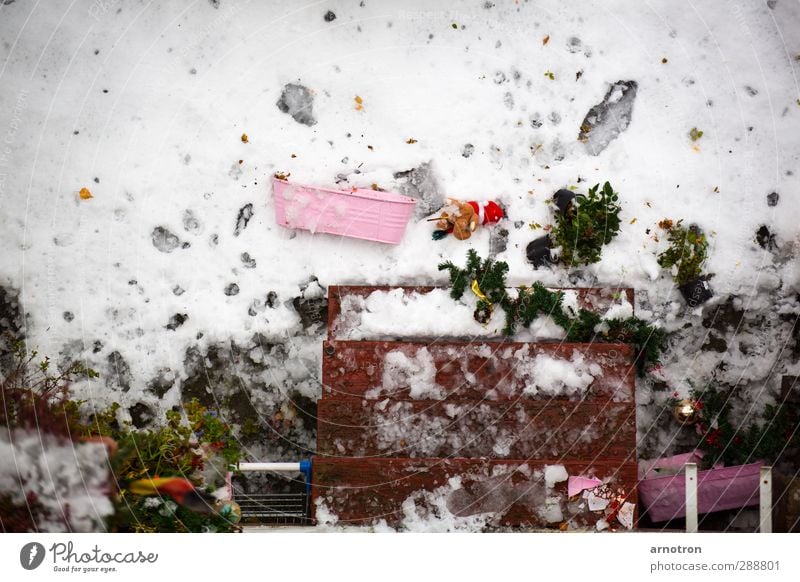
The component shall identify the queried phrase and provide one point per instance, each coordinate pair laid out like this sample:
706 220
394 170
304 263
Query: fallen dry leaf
411 140
245 139
545 40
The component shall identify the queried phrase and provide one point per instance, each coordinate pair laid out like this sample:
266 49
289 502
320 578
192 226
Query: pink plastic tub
357 213
664 498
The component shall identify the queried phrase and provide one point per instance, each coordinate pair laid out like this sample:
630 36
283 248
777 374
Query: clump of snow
619 310
551 376
71 480
555 474
430 511
324 515
417 373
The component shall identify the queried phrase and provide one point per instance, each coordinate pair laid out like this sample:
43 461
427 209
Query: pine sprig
536 300
769 434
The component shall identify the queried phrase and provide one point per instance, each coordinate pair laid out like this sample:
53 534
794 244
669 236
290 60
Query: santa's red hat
489 213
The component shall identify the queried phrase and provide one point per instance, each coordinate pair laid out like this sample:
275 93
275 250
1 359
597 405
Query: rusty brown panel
471 370
510 492
592 298
508 429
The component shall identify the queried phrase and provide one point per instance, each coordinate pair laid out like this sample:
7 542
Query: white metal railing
764 494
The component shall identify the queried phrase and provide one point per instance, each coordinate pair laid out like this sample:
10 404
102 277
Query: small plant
770 432
198 448
36 398
687 251
695 134
196 445
591 222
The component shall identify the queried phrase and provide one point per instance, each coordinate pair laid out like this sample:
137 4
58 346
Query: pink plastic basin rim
718 489
357 213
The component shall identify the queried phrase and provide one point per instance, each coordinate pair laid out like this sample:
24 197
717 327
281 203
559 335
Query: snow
418 373
551 376
71 481
146 105
555 474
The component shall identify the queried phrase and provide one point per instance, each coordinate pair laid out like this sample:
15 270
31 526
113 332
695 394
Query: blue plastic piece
305 469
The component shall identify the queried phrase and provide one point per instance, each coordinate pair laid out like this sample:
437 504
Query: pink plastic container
357 213
664 498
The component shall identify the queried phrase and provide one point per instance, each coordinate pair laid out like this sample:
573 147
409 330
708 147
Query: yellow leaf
85 194
245 139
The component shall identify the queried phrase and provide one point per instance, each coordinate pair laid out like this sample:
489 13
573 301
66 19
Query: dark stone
696 292
563 200
468 150
242 219
231 289
141 415
69 316
312 312
765 239
608 119
330 16
538 251
178 290
272 300
176 321
772 199
248 261
97 347
298 101
119 376
164 240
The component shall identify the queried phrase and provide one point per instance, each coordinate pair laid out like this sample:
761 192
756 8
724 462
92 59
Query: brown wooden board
470 370
595 299
555 429
508 492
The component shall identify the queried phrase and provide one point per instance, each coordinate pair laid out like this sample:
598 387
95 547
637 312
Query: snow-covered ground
177 254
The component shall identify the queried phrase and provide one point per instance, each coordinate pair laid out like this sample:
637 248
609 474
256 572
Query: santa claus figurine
462 218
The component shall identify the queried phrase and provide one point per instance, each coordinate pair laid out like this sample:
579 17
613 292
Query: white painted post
765 500
691 497
279 467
